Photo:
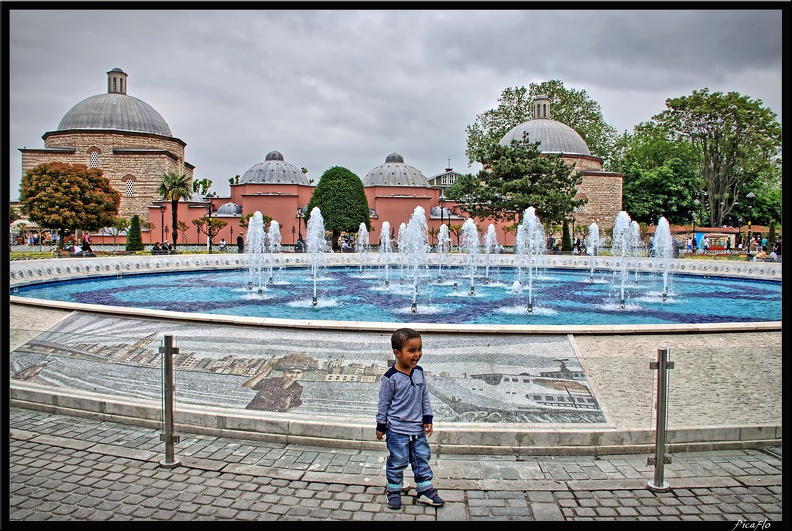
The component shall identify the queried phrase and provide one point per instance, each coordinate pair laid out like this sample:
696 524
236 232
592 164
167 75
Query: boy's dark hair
402 336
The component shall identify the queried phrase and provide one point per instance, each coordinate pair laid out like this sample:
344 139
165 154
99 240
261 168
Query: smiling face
409 356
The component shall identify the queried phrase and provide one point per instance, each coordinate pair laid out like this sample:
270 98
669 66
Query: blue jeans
404 450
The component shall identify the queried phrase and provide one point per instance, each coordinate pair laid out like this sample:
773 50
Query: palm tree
174 187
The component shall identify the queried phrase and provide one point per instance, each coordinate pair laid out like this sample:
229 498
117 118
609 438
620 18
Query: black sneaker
394 499
430 497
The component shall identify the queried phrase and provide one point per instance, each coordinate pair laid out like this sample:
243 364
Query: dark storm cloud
330 87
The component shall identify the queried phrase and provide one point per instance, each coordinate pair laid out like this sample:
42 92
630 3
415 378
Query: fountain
470 243
201 284
316 245
529 248
386 248
413 248
592 243
621 249
362 246
491 246
636 246
443 246
255 250
401 249
664 250
273 244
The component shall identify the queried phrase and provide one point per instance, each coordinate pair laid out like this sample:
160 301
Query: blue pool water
560 297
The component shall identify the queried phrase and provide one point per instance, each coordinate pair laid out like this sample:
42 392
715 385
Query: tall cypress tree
134 241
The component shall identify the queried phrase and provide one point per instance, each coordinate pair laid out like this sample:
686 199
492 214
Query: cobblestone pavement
70 468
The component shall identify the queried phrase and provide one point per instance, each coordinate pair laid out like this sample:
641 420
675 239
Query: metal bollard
660 459
168 351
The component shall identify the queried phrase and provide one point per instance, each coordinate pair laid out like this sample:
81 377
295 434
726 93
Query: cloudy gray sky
348 87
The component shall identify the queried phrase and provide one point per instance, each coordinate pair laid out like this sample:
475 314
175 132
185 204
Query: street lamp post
198 232
293 231
231 231
750 197
209 229
162 223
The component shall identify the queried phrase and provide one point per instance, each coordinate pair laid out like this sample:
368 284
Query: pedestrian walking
241 242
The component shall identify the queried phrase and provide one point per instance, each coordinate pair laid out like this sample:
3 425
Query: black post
209 228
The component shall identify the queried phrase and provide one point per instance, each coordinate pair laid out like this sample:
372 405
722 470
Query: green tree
566 238
134 241
517 177
734 139
68 197
209 226
175 187
118 226
342 201
183 229
515 106
14 214
660 176
202 186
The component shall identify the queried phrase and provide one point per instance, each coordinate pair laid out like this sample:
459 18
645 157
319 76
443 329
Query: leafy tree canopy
735 139
342 201
515 106
64 196
517 177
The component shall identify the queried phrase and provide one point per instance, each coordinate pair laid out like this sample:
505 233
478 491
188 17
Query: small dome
115 111
554 137
229 209
395 173
274 170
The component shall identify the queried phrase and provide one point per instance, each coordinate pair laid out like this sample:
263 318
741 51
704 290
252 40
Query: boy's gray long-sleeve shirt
404 405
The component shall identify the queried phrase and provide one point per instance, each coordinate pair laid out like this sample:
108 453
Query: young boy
404 413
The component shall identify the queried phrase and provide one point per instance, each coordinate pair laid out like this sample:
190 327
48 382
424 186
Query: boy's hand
380 435
428 429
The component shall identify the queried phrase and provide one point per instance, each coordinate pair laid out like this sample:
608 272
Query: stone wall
158 155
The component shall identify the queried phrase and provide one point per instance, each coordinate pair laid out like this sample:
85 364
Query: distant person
166 246
157 247
404 420
241 242
223 245
760 255
777 249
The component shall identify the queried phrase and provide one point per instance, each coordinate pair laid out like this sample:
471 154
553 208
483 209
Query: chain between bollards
660 459
168 351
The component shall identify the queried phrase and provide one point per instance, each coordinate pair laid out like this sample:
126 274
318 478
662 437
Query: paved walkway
69 468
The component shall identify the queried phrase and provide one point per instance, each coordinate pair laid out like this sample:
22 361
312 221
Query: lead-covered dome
553 137
274 170
395 173
115 110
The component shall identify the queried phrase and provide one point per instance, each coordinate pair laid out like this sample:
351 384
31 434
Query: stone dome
274 170
554 137
115 110
229 209
395 173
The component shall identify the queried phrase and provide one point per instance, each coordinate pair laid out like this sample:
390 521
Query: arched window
114 84
129 186
544 110
93 157
121 84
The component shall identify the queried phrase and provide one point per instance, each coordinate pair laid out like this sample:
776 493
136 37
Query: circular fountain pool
560 296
